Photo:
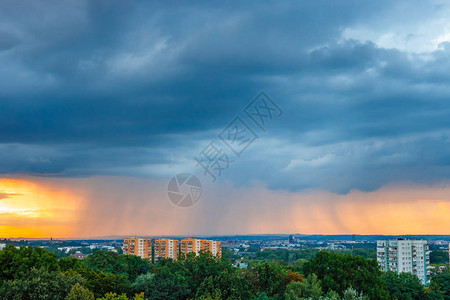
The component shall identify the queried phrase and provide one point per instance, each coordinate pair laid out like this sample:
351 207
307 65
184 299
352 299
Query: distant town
395 253
323 267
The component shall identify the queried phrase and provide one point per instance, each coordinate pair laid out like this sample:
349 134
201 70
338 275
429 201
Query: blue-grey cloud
90 88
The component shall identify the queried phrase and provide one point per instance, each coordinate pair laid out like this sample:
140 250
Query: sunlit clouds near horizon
99 207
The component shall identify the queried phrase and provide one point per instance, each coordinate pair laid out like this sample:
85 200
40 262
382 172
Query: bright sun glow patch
30 207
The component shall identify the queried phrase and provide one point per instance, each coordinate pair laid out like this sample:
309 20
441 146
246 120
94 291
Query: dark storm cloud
90 88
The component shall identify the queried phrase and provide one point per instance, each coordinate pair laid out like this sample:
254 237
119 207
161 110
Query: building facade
138 246
166 248
405 255
197 245
215 247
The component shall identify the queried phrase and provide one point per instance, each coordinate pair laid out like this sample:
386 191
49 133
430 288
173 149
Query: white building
404 255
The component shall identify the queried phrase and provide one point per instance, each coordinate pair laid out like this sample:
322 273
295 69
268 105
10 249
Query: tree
67 263
134 265
272 278
403 286
294 276
441 283
216 296
338 272
101 283
106 261
165 285
114 296
16 263
351 294
143 283
309 288
119 264
78 292
331 295
39 284
262 296
439 257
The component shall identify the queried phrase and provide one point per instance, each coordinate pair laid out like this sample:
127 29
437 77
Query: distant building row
168 248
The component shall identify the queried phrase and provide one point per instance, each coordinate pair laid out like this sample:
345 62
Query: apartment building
197 245
405 255
215 247
138 246
166 248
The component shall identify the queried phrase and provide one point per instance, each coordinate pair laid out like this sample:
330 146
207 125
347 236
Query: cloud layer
107 205
101 88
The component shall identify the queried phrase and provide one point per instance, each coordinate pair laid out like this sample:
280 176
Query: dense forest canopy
35 273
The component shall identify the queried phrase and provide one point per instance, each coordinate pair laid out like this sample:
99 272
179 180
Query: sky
102 103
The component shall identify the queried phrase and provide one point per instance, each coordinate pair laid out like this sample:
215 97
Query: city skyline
104 107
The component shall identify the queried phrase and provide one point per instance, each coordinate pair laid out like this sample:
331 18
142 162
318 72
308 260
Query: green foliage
288 256
366 253
439 257
216 296
229 255
338 272
309 288
166 285
16 263
119 264
331 295
114 296
440 284
403 286
262 296
78 292
39 284
351 294
272 278
67 263
35 273
143 283
101 283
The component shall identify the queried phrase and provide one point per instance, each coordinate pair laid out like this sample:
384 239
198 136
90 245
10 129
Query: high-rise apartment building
197 245
166 248
138 246
190 245
405 255
215 247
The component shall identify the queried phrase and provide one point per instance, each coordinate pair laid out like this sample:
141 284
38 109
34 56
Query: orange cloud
102 206
36 209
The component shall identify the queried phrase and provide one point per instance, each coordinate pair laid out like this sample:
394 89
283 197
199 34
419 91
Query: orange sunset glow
51 208
28 209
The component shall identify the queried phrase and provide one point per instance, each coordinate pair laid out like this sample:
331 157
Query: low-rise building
78 255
